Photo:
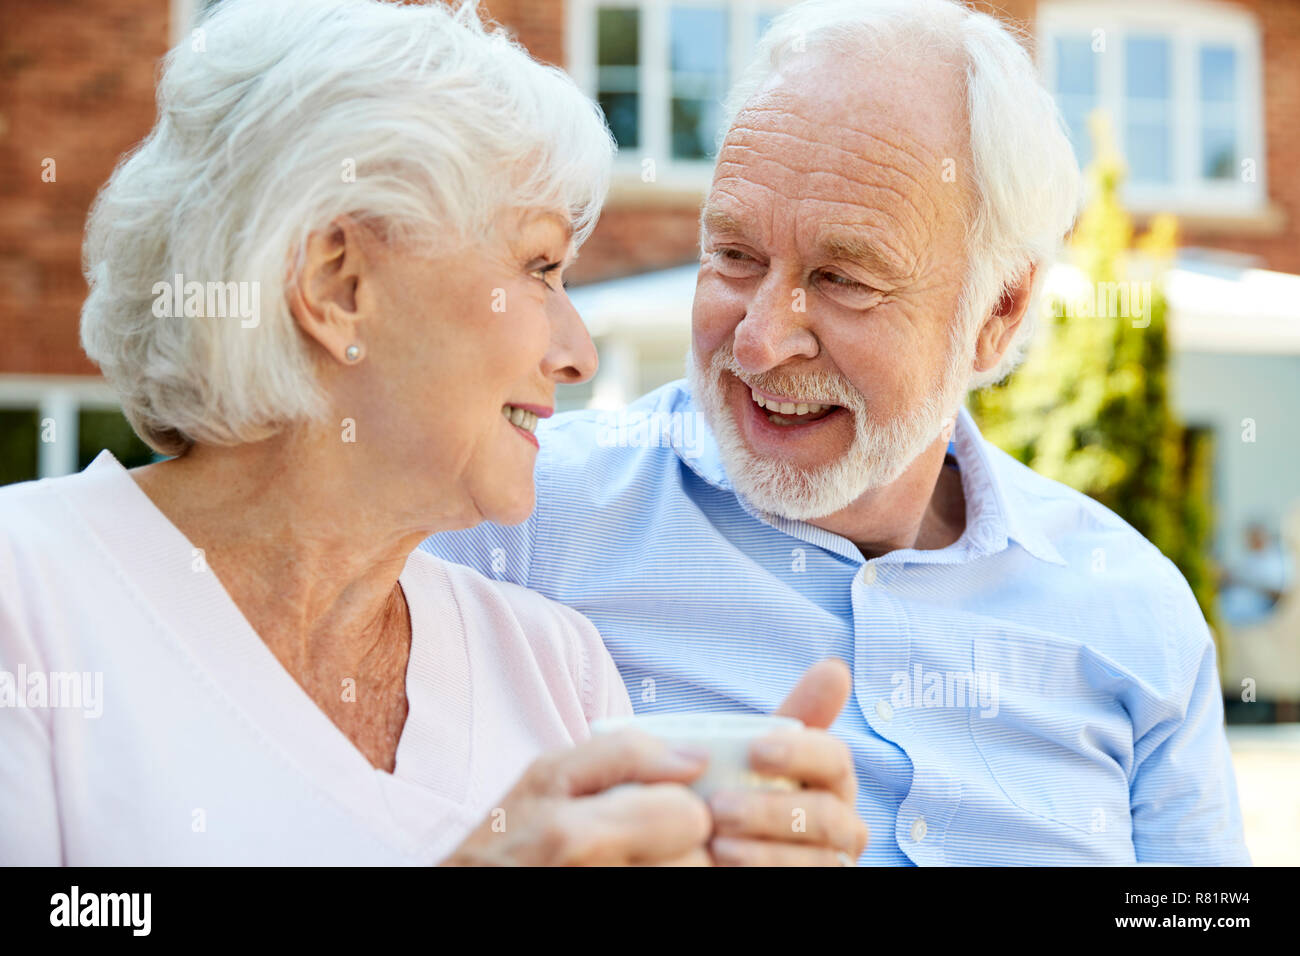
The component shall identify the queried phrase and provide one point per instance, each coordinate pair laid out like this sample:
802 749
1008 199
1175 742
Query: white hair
1026 182
275 118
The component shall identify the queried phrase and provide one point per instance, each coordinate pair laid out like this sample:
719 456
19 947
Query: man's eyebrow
715 220
851 247
839 244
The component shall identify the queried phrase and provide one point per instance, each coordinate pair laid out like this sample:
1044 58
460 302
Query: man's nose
775 328
571 358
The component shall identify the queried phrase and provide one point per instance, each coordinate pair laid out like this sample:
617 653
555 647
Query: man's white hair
275 118
1025 181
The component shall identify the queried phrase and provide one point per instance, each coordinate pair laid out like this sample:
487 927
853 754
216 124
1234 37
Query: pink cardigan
142 721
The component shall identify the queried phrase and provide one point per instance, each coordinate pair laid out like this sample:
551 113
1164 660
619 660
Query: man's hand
815 826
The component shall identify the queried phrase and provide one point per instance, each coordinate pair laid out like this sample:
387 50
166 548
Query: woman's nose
571 359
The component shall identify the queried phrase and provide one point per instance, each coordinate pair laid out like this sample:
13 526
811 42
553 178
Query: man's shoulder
1064 514
1113 564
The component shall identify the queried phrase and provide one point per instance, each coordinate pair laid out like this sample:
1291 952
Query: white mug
725 737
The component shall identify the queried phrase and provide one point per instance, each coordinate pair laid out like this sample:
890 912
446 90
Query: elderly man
1032 680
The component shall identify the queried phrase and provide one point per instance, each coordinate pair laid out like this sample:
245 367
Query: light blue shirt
1042 691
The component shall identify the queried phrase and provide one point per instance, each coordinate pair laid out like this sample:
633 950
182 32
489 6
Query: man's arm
1183 796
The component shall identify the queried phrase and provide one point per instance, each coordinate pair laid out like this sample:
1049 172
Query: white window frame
655 111
1187 24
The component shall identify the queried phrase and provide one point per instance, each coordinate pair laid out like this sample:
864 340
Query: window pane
1149 152
617 74
1076 89
1219 152
1218 108
621 113
1148 135
100 428
617 37
698 37
1075 111
1218 74
1146 67
1076 66
19 429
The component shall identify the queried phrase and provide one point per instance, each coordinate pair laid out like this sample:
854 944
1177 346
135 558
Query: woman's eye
548 274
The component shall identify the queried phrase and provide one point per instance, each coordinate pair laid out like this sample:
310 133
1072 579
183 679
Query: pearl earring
353 353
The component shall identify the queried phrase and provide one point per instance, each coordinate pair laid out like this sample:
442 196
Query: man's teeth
518 416
787 408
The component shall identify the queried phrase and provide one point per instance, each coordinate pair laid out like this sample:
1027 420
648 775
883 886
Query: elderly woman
329 284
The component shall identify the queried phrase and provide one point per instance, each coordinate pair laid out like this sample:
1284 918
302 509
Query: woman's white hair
1025 181
276 117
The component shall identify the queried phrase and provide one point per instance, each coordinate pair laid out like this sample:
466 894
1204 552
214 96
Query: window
697 40
660 71
53 426
1182 86
617 60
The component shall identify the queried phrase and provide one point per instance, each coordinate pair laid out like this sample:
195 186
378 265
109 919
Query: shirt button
884 711
869 573
918 829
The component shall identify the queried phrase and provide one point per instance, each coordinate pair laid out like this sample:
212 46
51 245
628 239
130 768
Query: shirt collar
995 511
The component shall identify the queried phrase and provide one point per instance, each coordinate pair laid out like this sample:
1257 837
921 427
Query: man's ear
324 296
1003 322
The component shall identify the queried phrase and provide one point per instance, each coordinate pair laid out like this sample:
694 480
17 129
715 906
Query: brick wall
77 87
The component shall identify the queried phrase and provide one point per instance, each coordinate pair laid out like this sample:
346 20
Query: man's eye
843 282
850 291
735 263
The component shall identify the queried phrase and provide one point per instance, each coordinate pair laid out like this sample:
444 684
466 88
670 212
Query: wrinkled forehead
888 140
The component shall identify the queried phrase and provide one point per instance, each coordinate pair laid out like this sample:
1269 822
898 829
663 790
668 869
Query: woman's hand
815 826
615 800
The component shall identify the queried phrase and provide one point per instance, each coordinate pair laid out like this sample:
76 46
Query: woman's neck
308 552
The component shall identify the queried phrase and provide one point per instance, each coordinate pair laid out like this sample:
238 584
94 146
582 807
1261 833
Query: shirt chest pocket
1057 741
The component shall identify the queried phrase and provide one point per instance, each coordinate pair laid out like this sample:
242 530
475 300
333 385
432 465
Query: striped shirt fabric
1042 691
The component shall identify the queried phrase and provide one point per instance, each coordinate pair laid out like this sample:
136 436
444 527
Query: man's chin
780 488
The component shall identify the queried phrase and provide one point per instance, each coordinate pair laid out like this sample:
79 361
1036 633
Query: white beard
880 453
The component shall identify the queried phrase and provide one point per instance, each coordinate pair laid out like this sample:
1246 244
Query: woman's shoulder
42 515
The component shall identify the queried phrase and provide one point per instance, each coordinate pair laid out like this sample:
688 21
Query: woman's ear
324 296
1003 322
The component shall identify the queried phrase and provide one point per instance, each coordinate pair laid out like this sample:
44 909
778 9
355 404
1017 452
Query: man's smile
773 425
